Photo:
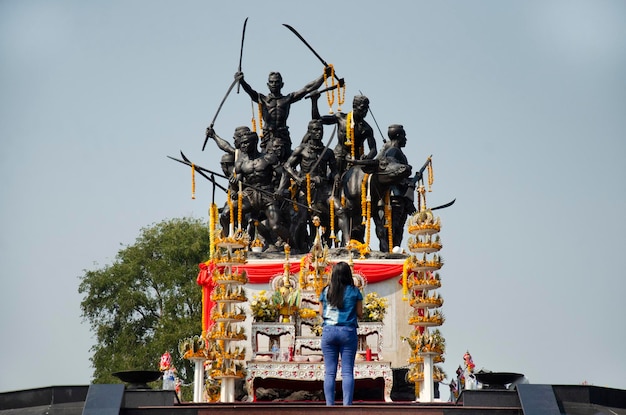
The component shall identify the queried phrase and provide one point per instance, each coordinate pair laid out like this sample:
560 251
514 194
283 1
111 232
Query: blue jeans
339 341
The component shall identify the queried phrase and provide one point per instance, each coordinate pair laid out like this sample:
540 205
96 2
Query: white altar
262 367
308 371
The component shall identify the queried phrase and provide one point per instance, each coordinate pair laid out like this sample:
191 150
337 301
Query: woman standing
341 305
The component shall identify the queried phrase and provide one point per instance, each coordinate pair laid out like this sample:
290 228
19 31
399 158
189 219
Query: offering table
309 371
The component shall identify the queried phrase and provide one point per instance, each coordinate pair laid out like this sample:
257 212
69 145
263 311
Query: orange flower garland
388 219
332 218
239 205
330 95
213 218
260 118
408 264
350 134
231 208
364 197
308 189
193 181
431 176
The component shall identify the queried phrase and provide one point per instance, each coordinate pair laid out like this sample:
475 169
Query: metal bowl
138 379
497 380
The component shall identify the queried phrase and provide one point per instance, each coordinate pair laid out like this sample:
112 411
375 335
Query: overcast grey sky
522 105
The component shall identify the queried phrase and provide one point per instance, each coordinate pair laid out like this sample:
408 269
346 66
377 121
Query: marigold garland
213 218
350 134
239 206
408 264
260 118
332 218
330 94
193 181
363 197
341 96
308 189
231 210
388 218
431 176
368 215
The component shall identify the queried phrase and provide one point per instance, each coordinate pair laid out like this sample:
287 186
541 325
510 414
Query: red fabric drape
205 279
261 273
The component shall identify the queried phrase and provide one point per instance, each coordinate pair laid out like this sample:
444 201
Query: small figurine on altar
169 372
467 380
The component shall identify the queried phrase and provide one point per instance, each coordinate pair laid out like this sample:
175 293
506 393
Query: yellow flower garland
193 181
260 118
341 96
332 218
431 176
364 197
239 206
330 95
350 134
308 190
388 220
213 218
408 264
368 218
229 200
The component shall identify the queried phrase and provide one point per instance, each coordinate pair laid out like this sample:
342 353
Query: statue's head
227 162
227 158
248 141
315 130
360 105
275 82
239 132
396 132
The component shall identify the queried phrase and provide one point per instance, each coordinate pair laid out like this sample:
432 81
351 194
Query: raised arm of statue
221 143
254 96
310 87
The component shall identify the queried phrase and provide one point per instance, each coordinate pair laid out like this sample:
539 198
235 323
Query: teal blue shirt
347 315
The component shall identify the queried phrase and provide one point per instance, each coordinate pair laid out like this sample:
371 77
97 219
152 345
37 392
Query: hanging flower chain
239 205
193 181
364 198
332 218
408 264
330 95
350 133
368 228
431 176
308 190
260 118
213 213
341 96
230 207
388 223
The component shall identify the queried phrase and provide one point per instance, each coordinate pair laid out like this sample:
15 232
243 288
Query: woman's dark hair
339 279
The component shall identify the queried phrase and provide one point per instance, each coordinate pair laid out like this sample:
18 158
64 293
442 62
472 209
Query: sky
521 104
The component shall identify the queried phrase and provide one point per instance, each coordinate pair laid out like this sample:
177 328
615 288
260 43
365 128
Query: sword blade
445 205
219 108
295 32
243 36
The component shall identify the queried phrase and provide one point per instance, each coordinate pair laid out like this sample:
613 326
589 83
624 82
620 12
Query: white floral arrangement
374 307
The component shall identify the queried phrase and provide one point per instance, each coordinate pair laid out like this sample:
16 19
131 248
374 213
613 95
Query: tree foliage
146 301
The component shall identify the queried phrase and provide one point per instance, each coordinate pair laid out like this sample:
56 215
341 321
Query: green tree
146 301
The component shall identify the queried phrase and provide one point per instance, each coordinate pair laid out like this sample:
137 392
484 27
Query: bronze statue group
286 191
312 192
